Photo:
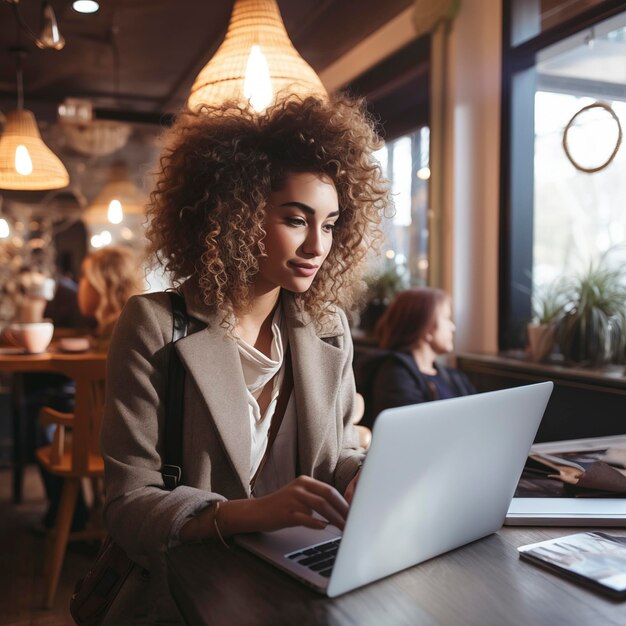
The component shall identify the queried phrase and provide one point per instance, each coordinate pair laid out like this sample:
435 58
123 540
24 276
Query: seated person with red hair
415 329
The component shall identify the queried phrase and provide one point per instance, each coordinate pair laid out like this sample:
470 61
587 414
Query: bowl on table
32 337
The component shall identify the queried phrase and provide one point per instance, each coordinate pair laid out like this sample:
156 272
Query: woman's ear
428 337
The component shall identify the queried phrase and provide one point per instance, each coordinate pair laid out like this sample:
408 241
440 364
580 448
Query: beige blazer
140 514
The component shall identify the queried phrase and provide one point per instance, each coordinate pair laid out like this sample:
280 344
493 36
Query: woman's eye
329 227
296 221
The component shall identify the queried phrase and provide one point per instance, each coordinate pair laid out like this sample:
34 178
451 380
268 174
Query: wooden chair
73 455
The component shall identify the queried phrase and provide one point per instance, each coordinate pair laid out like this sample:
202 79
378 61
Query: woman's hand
292 505
349 492
295 505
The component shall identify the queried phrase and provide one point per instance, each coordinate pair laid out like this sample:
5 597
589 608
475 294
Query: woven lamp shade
48 172
118 187
254 23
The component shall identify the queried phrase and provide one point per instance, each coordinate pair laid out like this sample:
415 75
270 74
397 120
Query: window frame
515 254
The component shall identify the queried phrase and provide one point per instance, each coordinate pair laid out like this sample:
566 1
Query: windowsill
518 361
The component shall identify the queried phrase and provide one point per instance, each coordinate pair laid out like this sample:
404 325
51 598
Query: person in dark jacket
415 329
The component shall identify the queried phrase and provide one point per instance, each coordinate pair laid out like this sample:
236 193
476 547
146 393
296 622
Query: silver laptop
548 511
437 476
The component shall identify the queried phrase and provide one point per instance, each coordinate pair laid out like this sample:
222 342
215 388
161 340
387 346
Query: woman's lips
303 269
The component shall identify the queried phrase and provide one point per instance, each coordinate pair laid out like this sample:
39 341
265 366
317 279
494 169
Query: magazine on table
595 559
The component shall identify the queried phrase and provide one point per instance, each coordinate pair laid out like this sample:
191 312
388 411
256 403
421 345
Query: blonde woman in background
108 278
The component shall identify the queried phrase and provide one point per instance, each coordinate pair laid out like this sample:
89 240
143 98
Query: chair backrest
88 371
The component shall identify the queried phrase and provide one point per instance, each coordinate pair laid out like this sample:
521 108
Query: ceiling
141 56
135 61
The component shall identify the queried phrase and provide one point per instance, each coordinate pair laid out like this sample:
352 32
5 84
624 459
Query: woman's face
299 224
88 297
442 334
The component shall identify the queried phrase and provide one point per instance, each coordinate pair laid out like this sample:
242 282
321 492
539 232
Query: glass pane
578 216
532 17
406 162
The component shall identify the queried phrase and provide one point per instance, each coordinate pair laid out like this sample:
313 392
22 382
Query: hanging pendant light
255 62
26 162
5 231
50 36
118 198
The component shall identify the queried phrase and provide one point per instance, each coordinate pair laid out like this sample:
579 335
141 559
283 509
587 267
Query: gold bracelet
217 528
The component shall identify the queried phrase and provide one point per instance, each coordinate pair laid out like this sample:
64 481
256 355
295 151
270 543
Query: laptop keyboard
319 558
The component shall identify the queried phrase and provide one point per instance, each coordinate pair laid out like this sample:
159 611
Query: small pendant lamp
26 162
255 62
117 199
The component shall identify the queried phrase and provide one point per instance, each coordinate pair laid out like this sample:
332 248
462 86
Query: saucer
74 344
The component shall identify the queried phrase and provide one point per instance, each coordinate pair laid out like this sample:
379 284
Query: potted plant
592 330
548 302
382 286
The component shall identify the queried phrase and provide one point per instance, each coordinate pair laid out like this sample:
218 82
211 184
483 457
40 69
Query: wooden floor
21 558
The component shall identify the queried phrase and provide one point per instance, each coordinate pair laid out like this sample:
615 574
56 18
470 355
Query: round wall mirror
592 137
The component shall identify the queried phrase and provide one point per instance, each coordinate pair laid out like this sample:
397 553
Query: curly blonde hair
115 273
217 170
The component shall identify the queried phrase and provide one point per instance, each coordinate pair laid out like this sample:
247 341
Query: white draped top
258 370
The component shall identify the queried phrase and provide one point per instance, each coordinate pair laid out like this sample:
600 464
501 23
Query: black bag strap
174 400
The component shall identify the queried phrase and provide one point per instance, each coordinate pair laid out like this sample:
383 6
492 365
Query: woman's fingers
323 499
298 503
350 489
323 507
304 519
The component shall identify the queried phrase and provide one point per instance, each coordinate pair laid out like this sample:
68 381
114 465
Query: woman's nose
314 243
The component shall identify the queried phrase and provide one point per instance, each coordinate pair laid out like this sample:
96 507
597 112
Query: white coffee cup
33 337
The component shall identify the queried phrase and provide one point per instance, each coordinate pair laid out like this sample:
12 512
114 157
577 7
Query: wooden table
482 584
18 364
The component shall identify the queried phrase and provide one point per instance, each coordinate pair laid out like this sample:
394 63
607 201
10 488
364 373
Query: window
397 92
405 162
556 218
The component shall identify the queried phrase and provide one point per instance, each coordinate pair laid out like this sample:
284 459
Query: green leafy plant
382 285
548 302
593 328
385 283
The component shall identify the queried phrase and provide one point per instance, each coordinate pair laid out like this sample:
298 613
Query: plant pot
589 339
541 338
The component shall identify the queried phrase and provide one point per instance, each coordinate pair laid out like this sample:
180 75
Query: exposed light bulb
105 237
115 214
5 231
23 162
96 241
85 6
423 173
257 85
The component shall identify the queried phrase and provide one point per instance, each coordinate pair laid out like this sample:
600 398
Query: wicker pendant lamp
255 62
118 198
26 163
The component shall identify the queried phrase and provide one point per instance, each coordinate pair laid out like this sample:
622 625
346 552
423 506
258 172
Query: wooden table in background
19 364
481 584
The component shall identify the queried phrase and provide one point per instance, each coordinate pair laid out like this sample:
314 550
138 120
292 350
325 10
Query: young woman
264 220
415 329
109 277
